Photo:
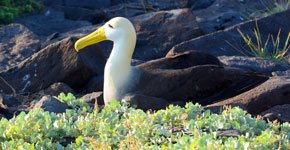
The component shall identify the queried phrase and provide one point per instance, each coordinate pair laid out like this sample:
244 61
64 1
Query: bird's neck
118 69
121 54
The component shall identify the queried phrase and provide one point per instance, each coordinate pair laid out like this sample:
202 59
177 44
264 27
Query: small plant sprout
261 48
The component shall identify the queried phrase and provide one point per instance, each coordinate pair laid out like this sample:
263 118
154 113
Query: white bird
163 81
119 75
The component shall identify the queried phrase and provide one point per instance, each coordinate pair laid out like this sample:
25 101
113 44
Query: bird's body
171 81
119 75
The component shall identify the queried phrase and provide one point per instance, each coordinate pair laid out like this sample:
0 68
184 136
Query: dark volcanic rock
196 83
49 22
181 61
282 73
157 32
170 4
255 64
58 62
92 4
95 98
9 101
219 41
94 84
275 91
145 102
57 88
225 13
51 104
200 4
279 112
16 44
77 13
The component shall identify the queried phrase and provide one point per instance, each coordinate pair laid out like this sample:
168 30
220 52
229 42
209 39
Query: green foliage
270 7
261 48
73 102
11 9
119 126
275 6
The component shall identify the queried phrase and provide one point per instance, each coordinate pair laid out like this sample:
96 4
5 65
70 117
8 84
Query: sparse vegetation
271 47
11 9
118 126
275 6
270 7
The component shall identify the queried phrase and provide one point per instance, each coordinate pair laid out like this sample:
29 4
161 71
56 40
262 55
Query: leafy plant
73 102
261 48
119 126
11 9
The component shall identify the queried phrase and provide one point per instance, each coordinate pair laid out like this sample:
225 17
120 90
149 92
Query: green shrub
119 126
259 47
11 9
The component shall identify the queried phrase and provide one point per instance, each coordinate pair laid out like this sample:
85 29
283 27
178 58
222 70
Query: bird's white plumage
119 74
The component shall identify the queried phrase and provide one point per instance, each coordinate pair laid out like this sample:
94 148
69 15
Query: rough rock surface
219 41
275 91
157 32
58 62
181 61
145 102
49 22
9 101
57 88
92 4
95 98
254 64
16 44
279 112
103 10
94 84
222 14
196 83
51 104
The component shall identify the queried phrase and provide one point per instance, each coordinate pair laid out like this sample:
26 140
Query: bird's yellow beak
93 38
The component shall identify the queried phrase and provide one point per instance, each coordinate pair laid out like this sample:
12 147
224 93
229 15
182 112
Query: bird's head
116 29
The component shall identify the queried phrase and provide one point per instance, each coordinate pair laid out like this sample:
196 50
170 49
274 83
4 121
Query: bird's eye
110 26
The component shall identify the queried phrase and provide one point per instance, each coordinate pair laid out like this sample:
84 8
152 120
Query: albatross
190 83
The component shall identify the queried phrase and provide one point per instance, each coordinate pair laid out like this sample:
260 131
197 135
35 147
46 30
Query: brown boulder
226 13
51 104
57 88
16 44
181 61
50 21
145 102
275 91
94 99
279 112
219 41
203 83
157 32
254 64
58 62
94 84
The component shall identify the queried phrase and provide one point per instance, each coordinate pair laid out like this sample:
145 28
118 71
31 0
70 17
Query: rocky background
38 61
